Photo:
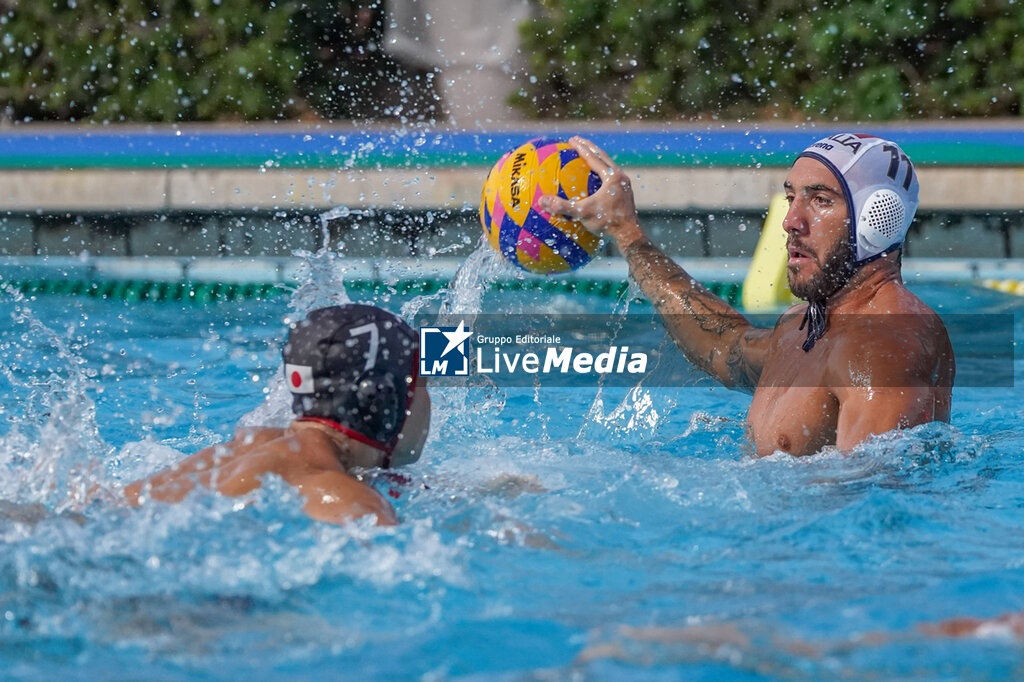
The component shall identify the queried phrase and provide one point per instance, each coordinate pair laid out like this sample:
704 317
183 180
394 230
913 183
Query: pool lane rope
1007 286
206 292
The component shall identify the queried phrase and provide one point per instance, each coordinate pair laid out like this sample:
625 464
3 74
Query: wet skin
314 458
884 363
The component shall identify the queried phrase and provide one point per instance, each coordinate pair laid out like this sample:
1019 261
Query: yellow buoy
1007 286
766 287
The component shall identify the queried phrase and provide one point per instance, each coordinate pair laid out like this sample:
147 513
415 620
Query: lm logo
444 351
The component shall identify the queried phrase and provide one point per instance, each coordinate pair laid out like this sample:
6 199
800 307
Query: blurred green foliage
205 60
788 59
147 60
193 60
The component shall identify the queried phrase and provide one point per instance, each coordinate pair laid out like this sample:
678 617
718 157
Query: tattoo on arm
656 273
694 316
742 373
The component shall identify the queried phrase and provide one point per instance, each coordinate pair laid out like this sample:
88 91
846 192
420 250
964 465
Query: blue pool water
539 523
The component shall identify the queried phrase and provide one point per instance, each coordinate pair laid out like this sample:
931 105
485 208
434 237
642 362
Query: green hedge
148 60
789 59
194 60
204 60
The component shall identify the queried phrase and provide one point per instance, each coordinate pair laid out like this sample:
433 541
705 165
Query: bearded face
817 226
826 272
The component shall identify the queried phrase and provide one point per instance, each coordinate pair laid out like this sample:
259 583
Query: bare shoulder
786 334
259 447
335 496
898 341
255 436
284 451
790 319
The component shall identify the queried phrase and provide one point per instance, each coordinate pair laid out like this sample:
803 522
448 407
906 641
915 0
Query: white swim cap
880 187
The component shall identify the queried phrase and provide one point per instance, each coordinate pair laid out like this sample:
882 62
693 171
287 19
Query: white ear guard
881 224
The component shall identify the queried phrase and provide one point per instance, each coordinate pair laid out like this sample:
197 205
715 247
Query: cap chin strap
816 322
816 315
354 435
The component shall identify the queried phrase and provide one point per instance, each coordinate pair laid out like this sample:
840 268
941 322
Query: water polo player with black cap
863 356
352 373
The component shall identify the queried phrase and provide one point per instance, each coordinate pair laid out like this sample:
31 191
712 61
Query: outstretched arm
713 335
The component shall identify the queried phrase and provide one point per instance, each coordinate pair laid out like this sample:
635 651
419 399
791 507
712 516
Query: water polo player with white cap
880 189
863 356
351 370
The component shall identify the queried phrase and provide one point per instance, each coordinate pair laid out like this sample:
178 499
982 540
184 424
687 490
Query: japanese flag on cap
299 378
880 186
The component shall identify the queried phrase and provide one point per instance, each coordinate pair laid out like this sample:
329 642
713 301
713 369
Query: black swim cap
355 366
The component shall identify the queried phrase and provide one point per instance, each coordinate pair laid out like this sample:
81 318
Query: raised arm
713 335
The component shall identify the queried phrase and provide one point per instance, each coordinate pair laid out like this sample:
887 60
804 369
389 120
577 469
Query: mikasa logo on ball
514 223
517 173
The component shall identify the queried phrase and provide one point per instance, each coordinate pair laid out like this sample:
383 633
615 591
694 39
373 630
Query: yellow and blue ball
524 234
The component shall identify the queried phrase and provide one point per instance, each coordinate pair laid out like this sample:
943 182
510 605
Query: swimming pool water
539 522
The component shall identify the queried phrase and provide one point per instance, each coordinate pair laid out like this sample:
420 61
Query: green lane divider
135 290
146 290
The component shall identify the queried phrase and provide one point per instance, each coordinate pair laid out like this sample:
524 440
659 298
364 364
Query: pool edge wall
259 190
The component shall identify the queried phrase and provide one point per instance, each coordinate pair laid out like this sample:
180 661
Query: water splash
641 410
639 414
322 275
323 282
470 408
53 453
482 268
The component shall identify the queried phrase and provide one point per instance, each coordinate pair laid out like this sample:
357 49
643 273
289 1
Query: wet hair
354 367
